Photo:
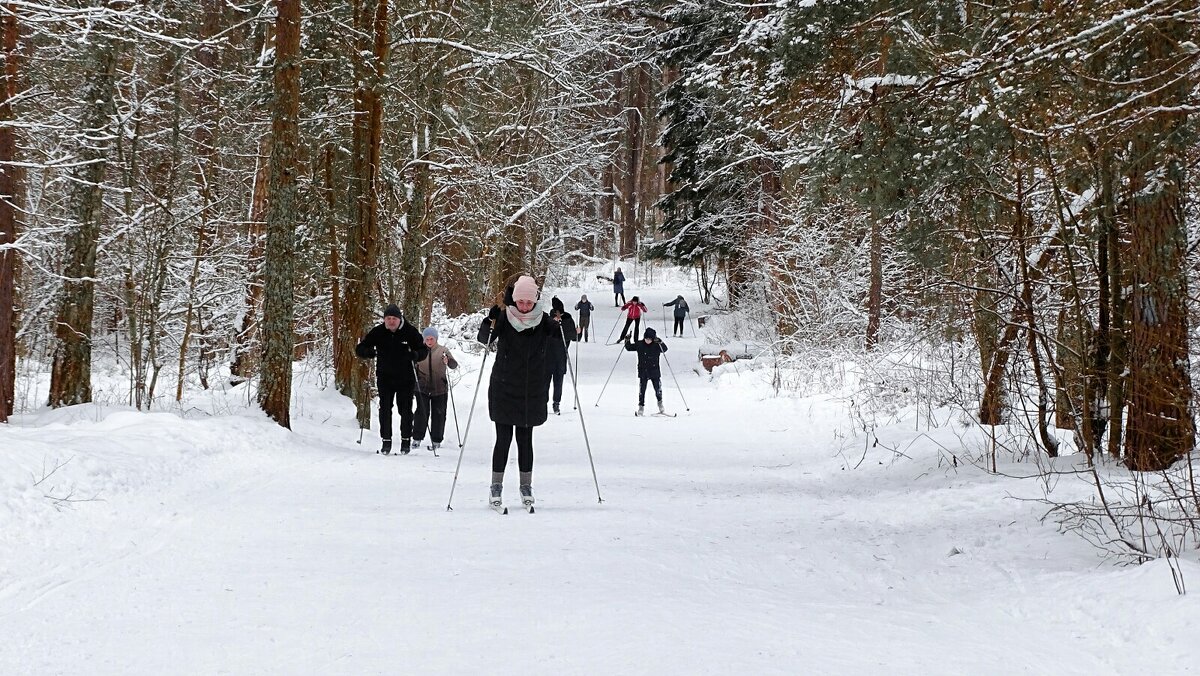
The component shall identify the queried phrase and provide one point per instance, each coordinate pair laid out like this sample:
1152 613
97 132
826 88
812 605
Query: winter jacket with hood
648 354
681 307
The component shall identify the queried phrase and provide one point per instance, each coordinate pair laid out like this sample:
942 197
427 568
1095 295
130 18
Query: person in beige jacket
432 391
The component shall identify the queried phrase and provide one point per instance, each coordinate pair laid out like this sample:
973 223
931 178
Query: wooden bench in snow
711 360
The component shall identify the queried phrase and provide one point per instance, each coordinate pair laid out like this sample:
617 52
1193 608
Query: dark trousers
621 295
504 437
431 414
557 379
642 389
678 326
404 401
585 321
637 325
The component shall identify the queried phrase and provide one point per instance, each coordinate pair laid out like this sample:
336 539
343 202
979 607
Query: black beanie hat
392 310
650 333
557 304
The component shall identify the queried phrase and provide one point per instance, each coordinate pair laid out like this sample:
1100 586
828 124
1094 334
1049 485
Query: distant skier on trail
395 345
432 391
649 349
636 309
585 308
681 311
558 352
618 287
520 382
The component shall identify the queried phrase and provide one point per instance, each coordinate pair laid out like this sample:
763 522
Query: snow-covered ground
748 535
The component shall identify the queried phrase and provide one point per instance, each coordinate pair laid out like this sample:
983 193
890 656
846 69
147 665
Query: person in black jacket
519 386
585 309
681 311
648 349
395 345
559 352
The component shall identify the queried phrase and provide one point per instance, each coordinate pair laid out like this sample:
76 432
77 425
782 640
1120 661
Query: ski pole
586 443
664 356
610 374
453 411
576 374
463 443
614 327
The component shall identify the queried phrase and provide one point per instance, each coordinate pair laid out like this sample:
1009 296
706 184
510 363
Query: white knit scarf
522 321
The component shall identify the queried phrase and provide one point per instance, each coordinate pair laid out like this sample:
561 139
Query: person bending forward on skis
636 309
649 349
520 382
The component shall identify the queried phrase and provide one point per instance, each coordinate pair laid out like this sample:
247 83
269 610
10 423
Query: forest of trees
213 189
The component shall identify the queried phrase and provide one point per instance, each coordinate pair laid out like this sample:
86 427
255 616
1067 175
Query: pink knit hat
525 289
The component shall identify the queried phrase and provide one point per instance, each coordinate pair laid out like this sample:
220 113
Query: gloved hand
415 357
495 312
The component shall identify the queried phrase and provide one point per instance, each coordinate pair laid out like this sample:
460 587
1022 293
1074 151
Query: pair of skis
499 508
654 415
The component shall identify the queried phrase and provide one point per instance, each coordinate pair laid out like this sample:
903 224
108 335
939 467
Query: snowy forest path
717 547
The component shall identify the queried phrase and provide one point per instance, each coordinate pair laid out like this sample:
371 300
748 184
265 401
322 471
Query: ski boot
434 446
386 449
527 496
661 410
494 500
641 411
556 411
405 446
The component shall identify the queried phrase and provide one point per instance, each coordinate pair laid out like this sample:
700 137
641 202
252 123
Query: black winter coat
557 352
520 384
394 352
648 357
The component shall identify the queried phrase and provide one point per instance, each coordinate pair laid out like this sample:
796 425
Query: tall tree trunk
275 387
633 163
71 372
362 239
9 213
1160 428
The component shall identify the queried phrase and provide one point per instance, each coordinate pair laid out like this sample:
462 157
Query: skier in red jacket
635 308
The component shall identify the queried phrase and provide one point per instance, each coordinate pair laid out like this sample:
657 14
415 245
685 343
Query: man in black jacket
648 349
395 345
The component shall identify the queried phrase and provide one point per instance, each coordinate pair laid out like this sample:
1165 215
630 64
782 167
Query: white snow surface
743 535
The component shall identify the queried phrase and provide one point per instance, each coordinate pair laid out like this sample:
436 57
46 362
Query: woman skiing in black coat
518 389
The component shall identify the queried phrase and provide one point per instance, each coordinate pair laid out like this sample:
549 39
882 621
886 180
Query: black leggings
678 326
504 437
637 324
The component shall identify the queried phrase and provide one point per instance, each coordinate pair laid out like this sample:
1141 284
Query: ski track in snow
730 537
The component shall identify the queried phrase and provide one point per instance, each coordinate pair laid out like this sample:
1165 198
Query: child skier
649 349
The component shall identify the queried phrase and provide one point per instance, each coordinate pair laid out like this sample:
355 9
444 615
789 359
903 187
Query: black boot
386 449
405 446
